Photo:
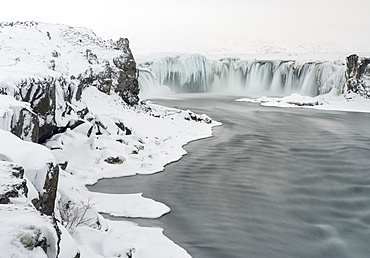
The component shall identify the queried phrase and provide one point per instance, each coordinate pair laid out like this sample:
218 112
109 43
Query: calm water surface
272 182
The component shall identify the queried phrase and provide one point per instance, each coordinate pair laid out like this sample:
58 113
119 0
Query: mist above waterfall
233 76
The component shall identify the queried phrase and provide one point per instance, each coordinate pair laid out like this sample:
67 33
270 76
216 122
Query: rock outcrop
13 185
358 75
46 201
64 61
34 231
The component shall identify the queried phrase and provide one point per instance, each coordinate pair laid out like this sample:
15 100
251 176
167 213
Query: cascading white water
183 74
149 84
257 77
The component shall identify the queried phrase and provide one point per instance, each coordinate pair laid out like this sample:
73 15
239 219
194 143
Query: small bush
76 214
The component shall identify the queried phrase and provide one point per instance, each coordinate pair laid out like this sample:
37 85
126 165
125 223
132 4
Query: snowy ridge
57 61
64 44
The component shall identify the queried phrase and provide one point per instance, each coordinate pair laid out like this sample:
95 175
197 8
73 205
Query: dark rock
59 235
128 131
52 64
122 44
105 79
127 84
121 126
90 131
91 57
46 201
55 54
358 75
26 125
114 160
63 165
15 186
41 95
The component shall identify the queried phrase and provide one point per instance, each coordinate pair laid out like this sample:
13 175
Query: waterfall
196 73
149 84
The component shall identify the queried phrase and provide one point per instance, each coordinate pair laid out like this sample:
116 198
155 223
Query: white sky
228 26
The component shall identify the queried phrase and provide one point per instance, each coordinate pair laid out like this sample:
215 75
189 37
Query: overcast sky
228 26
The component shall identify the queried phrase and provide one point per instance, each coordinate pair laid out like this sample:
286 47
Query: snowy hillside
48 66
69 116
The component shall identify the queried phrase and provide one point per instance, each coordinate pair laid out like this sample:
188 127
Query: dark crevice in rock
57 130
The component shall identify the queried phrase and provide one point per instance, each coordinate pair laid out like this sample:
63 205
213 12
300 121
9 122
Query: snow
34 158
116 140
156 137
21 225
68 246
128 205
19 62
120 237
330 101
8 108
113 140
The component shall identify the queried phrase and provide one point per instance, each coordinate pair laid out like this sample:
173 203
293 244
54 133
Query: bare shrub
76 214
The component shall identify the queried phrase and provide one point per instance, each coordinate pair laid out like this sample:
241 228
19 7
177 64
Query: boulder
12 183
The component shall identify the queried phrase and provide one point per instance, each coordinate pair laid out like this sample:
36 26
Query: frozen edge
330 102
135 204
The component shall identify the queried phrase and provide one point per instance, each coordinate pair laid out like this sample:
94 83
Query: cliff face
358 75
49 65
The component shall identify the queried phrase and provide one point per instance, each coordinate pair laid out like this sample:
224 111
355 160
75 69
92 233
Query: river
271 182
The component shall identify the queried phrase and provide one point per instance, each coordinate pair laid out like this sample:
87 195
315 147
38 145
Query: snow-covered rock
76 94
48 65
358 75
39 169
18 117
26 233
13 187
331 101
27 196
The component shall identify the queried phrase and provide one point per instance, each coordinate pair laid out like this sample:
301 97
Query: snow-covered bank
348 102
77 95
102 147
153 137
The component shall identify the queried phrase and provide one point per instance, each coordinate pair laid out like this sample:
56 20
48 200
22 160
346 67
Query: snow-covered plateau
69 116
